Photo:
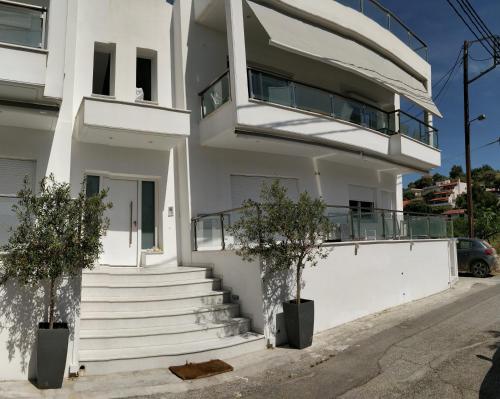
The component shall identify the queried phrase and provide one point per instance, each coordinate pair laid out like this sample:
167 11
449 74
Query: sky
435 22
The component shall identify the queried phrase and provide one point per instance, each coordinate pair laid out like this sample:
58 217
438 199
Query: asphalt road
451 351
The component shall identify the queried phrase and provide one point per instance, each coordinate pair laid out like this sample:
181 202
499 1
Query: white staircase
156 317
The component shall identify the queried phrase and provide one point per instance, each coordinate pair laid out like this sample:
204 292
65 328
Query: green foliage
418 206
408 195
423 182
57 235
456 172
283 234
436 177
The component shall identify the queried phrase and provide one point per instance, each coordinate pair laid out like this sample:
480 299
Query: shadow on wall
490 387
22 308
277 288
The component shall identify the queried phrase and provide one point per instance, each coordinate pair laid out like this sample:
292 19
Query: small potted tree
285 236
56 238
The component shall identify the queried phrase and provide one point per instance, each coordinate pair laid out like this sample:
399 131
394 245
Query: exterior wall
355 280
21 308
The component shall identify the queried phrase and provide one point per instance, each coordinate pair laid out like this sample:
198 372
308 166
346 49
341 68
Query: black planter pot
299 321
51 355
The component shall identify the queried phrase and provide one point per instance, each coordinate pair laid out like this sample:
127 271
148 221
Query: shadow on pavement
463 274
490 387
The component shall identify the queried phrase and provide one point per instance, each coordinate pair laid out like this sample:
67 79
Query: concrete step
147 357
117 275
136 304
157 318
158 336
134 288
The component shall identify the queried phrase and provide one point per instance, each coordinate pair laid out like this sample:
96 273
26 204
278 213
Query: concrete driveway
444 346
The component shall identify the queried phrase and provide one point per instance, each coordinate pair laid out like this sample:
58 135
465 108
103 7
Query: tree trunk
52 295
299 273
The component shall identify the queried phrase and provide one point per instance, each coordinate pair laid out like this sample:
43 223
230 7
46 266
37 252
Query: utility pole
470 215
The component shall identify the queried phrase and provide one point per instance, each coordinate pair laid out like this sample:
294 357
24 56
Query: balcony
280 91
22 51
385 18
210 232
133 125
292 108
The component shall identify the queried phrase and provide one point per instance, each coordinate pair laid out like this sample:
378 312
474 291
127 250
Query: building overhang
132 125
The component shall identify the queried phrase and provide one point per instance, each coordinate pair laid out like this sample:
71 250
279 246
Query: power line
476 35
447 159
476 19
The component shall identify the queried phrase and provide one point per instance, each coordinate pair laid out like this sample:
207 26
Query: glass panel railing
8 218
313 99
388 20
216 95
417 129
22 25
281 91
212 232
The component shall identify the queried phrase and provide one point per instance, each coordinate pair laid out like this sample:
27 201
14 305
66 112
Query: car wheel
479 269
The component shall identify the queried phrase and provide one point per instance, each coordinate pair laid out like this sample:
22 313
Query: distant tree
423 182
436 177
408 195
418 206
456 172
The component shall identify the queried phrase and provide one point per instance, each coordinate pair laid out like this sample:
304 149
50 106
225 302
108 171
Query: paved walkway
444 346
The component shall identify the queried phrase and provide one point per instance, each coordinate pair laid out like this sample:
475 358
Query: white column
237 51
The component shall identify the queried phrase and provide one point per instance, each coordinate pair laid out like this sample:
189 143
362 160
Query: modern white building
183 109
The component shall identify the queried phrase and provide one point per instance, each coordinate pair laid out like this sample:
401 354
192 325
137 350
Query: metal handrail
213 82
219 213
390 16
23 5
399 111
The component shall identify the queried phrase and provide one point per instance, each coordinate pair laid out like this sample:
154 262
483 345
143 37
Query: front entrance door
120 242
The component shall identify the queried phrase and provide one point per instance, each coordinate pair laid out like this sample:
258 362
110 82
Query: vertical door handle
131 223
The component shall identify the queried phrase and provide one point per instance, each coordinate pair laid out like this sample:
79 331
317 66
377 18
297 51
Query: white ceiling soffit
294 35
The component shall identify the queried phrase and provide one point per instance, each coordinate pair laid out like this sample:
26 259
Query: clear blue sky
437 24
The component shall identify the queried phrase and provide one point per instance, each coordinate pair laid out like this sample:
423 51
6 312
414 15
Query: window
146 80
464 244
366 207
148 215
92 186
12 175
104 69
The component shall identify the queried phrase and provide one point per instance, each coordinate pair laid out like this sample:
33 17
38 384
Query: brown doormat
192 371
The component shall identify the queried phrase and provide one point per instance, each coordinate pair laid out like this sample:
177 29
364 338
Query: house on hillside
445 193
182 109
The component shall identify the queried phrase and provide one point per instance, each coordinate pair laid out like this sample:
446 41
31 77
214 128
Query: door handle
131 223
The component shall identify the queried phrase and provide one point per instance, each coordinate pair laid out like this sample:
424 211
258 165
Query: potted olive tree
285 236
57 236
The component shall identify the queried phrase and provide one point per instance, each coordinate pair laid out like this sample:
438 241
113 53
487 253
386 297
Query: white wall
355 280
21 309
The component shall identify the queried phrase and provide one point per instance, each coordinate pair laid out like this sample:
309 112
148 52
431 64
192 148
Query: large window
104 69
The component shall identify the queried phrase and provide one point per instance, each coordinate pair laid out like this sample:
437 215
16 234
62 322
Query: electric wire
470 29
477 20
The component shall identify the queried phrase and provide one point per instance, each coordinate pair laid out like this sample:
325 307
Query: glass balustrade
211 232
22 24
388 20
215 95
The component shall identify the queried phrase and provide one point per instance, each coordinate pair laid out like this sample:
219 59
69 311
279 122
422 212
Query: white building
183 110
445 193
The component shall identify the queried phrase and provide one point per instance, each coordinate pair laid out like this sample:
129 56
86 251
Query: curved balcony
387 19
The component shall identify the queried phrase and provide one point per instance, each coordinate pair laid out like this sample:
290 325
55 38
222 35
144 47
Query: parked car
477 257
